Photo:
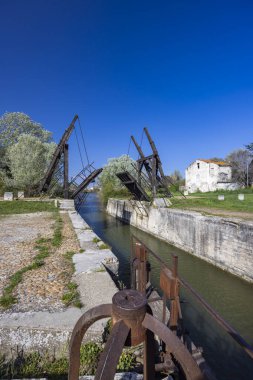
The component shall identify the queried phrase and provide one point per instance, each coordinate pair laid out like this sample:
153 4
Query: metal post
149 356
154 176
66 171
140 267
174 312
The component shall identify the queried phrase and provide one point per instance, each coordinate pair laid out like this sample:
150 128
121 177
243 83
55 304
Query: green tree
249 147
176 176
28 160
175 180
109 182
14 124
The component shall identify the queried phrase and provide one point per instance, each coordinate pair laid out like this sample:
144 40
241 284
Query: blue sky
182 68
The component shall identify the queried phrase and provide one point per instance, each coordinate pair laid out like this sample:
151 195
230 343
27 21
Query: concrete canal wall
225 242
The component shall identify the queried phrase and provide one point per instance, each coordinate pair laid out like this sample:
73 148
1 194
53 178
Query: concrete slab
95 288
45 330
161 202
93 260
66 204
86 235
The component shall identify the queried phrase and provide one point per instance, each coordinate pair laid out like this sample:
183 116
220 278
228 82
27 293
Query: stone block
8 196
161 202
67 204
221 197
241 197
21 194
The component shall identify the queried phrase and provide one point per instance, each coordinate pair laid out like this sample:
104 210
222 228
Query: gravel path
41 289
18 234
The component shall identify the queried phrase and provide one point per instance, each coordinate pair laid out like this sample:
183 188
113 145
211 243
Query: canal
231 297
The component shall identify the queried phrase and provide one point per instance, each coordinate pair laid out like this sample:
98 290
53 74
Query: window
198 165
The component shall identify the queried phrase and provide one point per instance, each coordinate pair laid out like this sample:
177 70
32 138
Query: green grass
21 207
210 200
100 270
71 295
104 246
45 248
38 365
96 240
57 238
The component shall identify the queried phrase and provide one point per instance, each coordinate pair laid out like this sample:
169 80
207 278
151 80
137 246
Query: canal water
231 297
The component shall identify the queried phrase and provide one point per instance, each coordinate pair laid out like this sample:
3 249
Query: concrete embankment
225 242
50 331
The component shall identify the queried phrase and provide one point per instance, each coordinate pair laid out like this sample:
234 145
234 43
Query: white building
209 175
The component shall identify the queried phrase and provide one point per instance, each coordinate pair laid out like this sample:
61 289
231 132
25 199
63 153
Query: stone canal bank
224 242
34 324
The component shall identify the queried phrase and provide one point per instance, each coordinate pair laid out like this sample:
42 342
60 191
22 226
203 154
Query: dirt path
42 288
18 234
225 213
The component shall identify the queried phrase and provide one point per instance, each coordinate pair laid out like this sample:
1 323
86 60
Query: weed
57 238
77 303
43 240
72 286
107 330
37 365
89 357
102 269
68 255
71 296
96 240
104 246
126 362
81 250
7 300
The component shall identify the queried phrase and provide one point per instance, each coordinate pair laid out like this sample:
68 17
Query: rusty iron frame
132 324
170 287
169 282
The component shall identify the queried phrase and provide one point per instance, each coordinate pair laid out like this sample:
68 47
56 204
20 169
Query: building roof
220 163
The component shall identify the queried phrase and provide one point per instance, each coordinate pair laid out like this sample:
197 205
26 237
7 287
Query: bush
111 186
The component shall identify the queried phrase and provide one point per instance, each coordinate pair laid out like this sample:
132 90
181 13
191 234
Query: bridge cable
128 151
83 141
79 148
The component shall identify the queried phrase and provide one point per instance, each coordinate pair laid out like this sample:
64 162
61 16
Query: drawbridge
57 174
148 178
133 186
